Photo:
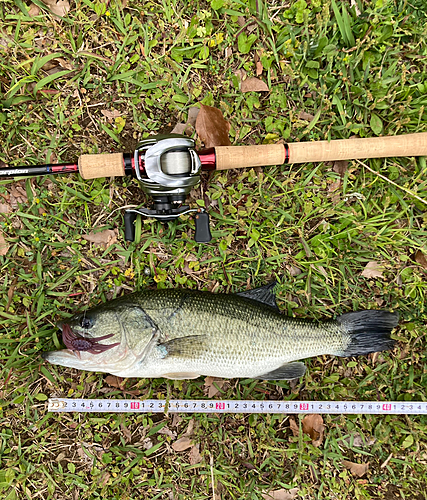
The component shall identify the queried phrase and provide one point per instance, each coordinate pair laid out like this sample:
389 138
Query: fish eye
86 322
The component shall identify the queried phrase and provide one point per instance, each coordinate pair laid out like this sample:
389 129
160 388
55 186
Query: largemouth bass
183 334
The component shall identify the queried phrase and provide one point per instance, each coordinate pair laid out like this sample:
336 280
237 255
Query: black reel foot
202 233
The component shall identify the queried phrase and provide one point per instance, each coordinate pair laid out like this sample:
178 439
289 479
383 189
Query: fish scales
186 333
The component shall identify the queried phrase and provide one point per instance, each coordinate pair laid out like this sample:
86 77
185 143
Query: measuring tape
232 406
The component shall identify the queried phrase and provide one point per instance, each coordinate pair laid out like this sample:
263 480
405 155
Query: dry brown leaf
17 195
34 10
254 85
4 208
241 74
293 426
4 246
179 128
194 455
113 381
167 432
293 270
147 443
192 115
359 441
212 127
126 432
373 269
228 52
421 259
111 115
103 479
334 186
340 167
104 238
241 21
190 428
314 427
210 386
305 116
357 470
176 420
60 8
281 494
182 444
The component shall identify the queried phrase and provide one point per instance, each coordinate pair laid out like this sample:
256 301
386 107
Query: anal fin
288 371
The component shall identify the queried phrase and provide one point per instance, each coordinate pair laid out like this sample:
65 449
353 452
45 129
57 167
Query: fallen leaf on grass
111 115
359 441
126 433
167 432
357 470
193 112
254 85
258 65
60 8
176 420
194 455
373 269
314 427
179 128
147 443
305 116
17 195
210 383
34 10
281 494
4 208
104 238
212 127
293 426
114 381
340 167
4 247
103 479
421 259
182 444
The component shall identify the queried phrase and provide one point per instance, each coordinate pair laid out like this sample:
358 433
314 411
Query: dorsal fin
264 294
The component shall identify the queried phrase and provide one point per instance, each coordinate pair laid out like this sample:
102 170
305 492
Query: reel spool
167 168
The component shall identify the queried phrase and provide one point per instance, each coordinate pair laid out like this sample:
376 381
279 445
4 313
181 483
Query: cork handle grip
106 165
351 149
249 156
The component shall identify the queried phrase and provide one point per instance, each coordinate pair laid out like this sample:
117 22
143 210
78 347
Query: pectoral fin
192 346
288 371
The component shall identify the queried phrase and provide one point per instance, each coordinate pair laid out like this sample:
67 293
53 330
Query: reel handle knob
203 232
130 218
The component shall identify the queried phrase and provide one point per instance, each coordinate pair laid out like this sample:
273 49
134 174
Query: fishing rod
167 167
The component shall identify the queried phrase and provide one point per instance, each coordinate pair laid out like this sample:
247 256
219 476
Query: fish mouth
77 343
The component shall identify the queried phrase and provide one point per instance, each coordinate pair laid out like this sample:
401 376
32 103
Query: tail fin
368 331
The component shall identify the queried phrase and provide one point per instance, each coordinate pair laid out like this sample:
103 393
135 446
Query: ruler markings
233 406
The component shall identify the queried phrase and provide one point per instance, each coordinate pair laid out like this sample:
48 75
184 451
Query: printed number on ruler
231 406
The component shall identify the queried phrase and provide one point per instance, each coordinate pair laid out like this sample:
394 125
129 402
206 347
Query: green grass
351 74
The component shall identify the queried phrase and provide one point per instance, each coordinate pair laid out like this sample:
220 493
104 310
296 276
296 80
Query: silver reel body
171 165
167 168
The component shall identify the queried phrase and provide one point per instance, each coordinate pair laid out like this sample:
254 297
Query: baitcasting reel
167 167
